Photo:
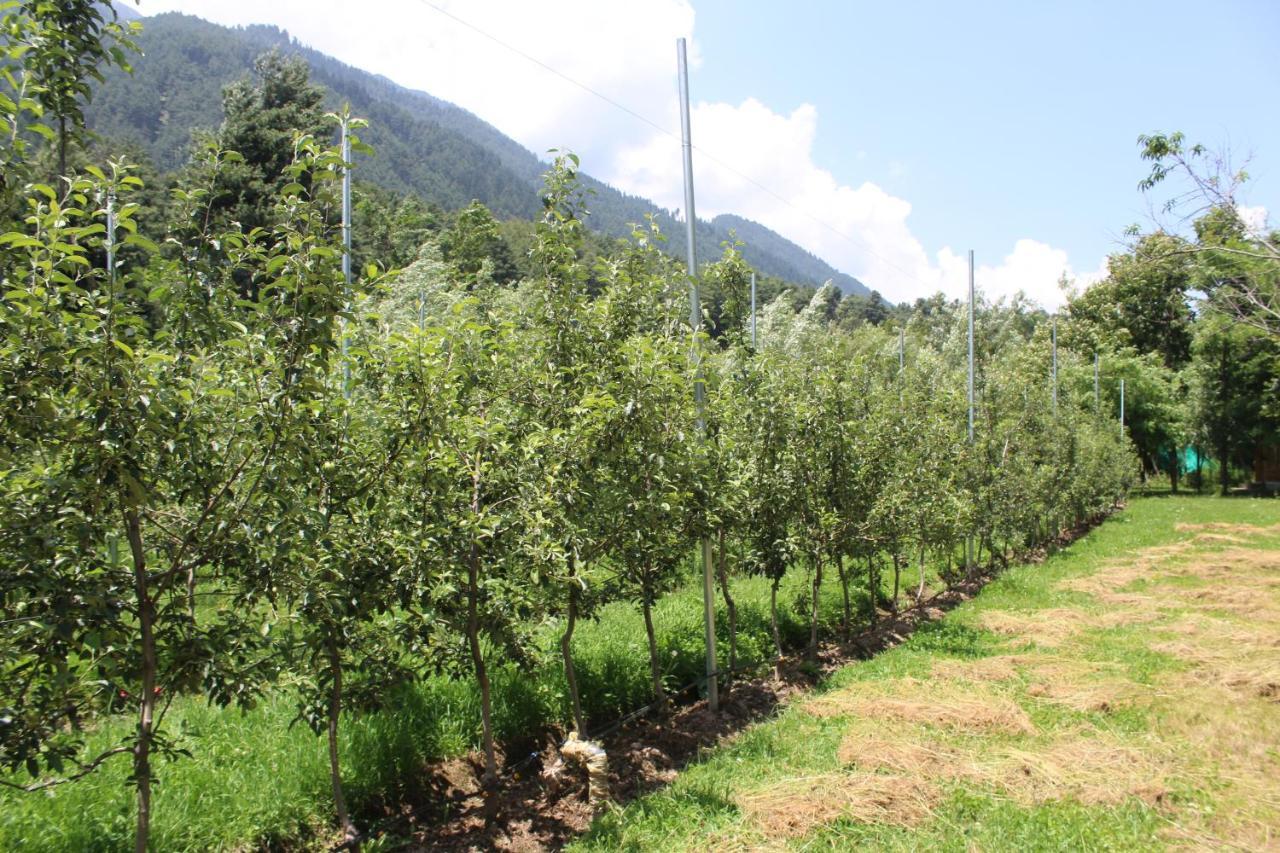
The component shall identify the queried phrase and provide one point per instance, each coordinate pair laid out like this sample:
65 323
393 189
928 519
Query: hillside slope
424 145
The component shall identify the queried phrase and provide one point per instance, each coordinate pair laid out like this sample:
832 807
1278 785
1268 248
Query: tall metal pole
346 246
1122 408
753 310
111 237
902 349
1055 365
699 381
1097 359
971 346
968 542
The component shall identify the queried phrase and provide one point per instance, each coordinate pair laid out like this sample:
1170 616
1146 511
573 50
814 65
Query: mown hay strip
975 712
1051 627
794 807
1084 764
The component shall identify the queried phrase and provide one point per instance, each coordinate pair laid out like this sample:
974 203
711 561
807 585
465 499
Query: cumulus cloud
629 57
1254 218
759 163
619 50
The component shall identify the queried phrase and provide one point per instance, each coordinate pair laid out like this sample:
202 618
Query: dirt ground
1207 609
526 813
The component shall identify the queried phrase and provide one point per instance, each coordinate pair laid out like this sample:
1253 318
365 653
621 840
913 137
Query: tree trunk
655 666
773 624
731 606
813 605
873 587
844 592
147 701
1224 475
566 649
897 576
477 661
191 592
350 836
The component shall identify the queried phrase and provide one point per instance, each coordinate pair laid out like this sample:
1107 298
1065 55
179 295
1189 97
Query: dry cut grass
1212 601
794 807
950 706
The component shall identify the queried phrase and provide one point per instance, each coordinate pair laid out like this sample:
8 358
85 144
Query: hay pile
794 807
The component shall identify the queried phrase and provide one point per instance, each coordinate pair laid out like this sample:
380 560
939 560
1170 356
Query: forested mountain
426 146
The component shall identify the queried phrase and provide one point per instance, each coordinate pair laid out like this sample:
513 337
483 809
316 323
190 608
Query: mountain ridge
425 145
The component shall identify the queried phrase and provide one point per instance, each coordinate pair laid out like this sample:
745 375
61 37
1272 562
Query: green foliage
226 475
263 115
427 148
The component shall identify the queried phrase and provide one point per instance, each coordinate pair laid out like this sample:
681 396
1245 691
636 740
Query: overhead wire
851 240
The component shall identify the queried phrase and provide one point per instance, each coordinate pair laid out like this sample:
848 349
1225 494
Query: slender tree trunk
566 649
897 577
350 835
920 588
477 661
655 666
473 639
773 624
731 606
1224 474
844 592
873 587
813 605
147 701
191 592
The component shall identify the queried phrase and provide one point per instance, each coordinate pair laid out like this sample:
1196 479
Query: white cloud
622 51
1254 218
628 55
862 230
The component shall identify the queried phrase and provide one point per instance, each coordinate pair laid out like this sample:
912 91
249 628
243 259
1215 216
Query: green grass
254 779
699 811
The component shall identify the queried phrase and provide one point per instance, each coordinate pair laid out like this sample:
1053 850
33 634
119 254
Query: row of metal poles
695 323
699 381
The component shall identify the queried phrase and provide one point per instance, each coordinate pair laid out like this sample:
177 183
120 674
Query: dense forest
427 148
462 489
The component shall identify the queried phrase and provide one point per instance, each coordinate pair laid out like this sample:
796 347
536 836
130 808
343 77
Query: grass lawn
256 779
1124 694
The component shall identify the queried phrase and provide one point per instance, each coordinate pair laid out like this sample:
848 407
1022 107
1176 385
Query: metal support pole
902 350
1055 365
1097 359
1122 408
111 237
753 310
346 246
971 346
968 543
699 381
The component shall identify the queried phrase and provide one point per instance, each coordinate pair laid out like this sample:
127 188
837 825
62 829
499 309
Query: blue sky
897 135
1008 119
